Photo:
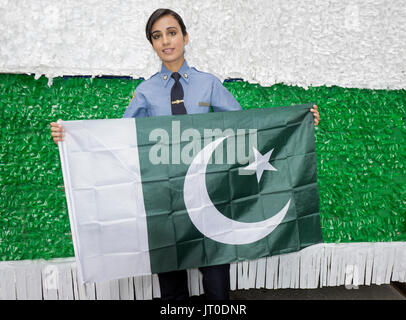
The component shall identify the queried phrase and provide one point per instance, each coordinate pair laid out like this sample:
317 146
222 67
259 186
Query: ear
186 39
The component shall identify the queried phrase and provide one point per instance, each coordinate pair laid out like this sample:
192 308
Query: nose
165 39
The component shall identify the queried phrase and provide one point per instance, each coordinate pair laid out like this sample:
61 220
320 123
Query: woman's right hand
57 132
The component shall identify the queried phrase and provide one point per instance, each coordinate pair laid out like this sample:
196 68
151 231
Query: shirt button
165 77
185 75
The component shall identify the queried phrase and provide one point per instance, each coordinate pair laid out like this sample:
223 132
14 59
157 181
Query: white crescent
211 222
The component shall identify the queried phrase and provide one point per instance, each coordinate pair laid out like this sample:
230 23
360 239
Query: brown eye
156 37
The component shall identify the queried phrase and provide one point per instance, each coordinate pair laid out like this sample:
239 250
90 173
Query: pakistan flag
157 194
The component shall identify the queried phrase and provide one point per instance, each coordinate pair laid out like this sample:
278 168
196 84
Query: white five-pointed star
261 163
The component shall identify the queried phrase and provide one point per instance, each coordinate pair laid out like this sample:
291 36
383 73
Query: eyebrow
160 30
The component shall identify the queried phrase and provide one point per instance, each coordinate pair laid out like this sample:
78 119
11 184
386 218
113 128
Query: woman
179 89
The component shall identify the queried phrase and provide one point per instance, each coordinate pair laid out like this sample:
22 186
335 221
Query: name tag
204 104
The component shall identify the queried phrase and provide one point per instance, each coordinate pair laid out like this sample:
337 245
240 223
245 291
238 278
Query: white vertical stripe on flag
102 178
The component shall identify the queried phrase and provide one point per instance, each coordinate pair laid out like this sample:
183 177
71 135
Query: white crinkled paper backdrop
358 43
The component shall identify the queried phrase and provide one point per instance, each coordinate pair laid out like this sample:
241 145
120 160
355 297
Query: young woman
179 89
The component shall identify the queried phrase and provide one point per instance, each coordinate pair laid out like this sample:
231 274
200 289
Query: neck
174 66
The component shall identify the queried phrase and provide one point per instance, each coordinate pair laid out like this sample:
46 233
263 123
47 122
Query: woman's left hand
315 114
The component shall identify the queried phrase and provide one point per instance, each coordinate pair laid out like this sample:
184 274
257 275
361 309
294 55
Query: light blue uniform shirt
201 90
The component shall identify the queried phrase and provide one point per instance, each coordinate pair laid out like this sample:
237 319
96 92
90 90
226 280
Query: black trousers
216 283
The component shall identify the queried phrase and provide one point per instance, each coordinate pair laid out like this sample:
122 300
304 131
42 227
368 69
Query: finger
316 115
57 129
57 134
57 139
315 112
56 124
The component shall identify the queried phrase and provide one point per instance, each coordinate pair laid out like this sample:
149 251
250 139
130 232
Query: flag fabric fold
166 193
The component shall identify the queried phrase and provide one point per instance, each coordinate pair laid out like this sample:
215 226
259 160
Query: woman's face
168 40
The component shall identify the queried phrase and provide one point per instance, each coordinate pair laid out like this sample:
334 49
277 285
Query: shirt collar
184 72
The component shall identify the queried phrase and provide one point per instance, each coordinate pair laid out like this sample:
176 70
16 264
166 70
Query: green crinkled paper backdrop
360 144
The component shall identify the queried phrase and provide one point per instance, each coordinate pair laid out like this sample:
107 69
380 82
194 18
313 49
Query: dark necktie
177 104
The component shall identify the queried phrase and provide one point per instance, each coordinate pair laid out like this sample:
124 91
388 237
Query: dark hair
158 14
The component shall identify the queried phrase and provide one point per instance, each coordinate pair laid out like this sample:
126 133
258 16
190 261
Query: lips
168 50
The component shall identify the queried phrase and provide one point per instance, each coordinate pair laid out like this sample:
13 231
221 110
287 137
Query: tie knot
176 76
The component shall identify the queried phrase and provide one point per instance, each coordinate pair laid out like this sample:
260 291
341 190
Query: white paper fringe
321 265
353 43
